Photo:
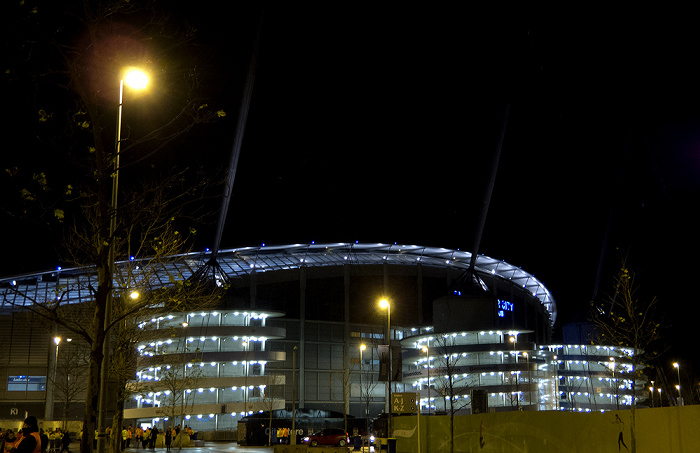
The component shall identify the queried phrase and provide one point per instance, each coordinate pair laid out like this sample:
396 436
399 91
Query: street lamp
384 303
661 402
427 360
517 384
651 392
614 382
137 80
556 382
362 392
677 366
245 387
529 377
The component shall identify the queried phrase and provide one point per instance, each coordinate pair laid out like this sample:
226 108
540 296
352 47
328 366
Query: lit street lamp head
384 303
135 78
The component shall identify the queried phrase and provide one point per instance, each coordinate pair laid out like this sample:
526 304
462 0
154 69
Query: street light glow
384 303
136 79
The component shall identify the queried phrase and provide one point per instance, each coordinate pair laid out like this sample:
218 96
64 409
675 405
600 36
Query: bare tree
450 379
272 399
69 377
176 380
633 326
367 384
72 58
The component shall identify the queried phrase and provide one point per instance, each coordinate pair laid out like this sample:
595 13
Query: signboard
404 403
23 383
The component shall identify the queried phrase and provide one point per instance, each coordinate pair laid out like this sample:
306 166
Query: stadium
300 325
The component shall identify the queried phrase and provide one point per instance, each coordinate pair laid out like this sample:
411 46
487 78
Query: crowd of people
31 439
146 438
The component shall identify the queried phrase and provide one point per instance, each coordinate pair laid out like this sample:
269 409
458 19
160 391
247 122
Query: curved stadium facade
468 342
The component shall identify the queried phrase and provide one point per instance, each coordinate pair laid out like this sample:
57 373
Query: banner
383 352
396 363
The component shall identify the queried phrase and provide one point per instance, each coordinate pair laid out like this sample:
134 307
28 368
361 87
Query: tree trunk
92 394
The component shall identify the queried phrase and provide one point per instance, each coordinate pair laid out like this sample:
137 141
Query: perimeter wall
668 429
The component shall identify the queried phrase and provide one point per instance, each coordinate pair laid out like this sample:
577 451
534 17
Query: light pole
245 389
362 393
293 439
427 361
384 303
661 402
614 382
138 80
529 378
556 382
651 392
677 366
517 384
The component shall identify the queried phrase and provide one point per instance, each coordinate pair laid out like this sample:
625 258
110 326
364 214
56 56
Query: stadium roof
73 285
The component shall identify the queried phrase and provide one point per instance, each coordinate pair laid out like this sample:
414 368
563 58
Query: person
145 438
44 440
29 441
125 436
154 437
168 438
139 436
65 442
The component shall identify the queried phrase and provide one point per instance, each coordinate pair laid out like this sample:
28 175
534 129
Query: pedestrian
139 436
29 441
154 437
146 437
168 439
65 442
44 440
125 436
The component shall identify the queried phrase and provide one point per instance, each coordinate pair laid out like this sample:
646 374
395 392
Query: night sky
379 124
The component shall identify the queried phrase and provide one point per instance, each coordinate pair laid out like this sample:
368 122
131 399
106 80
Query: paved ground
216 447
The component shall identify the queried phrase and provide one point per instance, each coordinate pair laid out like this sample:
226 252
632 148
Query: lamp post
427 361
137 80
614 382
384 303
661 402
362 390
677 366
556 382
517 384
293 439
651 392
245 387
529 378
56 340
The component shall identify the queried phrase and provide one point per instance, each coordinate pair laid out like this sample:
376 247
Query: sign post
404 403
407 403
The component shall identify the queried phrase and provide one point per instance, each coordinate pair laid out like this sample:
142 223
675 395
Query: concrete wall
668 429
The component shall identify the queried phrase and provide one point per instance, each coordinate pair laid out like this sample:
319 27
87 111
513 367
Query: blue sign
503 307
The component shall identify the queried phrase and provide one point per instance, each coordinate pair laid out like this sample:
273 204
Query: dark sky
379 124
